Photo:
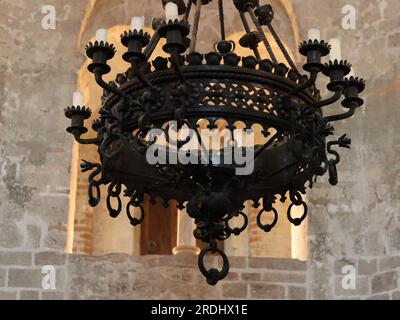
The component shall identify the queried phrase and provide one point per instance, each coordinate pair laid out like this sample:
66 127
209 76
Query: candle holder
353 88
78 115
135 41
250 40
244 5
336 70
175 33
265 14
195 59
100 53
314 50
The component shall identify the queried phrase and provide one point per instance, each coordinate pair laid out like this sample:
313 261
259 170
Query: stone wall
356 223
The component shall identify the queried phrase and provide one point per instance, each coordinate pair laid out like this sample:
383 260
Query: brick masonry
357 223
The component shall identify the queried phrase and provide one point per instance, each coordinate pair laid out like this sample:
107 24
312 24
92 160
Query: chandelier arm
331 100
175 64
136 64
248 30
341 116
262 35
281 46
311 80
195 28
99 80
77 136
221 18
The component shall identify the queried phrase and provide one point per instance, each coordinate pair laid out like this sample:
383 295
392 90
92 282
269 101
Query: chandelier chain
195 28
262 36
281 46
221 18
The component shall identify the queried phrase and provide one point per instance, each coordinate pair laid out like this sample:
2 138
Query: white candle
101 35
314 34
336 50
77 99
171 11
137 23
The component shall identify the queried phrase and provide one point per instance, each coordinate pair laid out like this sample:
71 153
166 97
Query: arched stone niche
91 230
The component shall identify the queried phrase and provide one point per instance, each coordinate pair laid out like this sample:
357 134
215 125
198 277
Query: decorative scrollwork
94 193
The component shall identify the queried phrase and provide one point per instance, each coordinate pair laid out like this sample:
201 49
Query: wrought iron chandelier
190 87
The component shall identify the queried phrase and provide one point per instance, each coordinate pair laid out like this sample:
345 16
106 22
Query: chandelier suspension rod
262 35
247 29
155 39
195 26
281 46
136 65
221 18
187 13
152 46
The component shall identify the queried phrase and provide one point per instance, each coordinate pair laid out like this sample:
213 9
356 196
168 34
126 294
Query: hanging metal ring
237 231
213 275
267 227
297 221
134 221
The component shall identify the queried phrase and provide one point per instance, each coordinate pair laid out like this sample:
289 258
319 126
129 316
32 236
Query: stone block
32 278
361 287
250 276
396 295
278 264
50 258
234 290
284 277
384 296
384 282
52 295
297 293
367 267
389 263
8 258
8 295
267 291
2 277
340 264
29 295
33 236
10 235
